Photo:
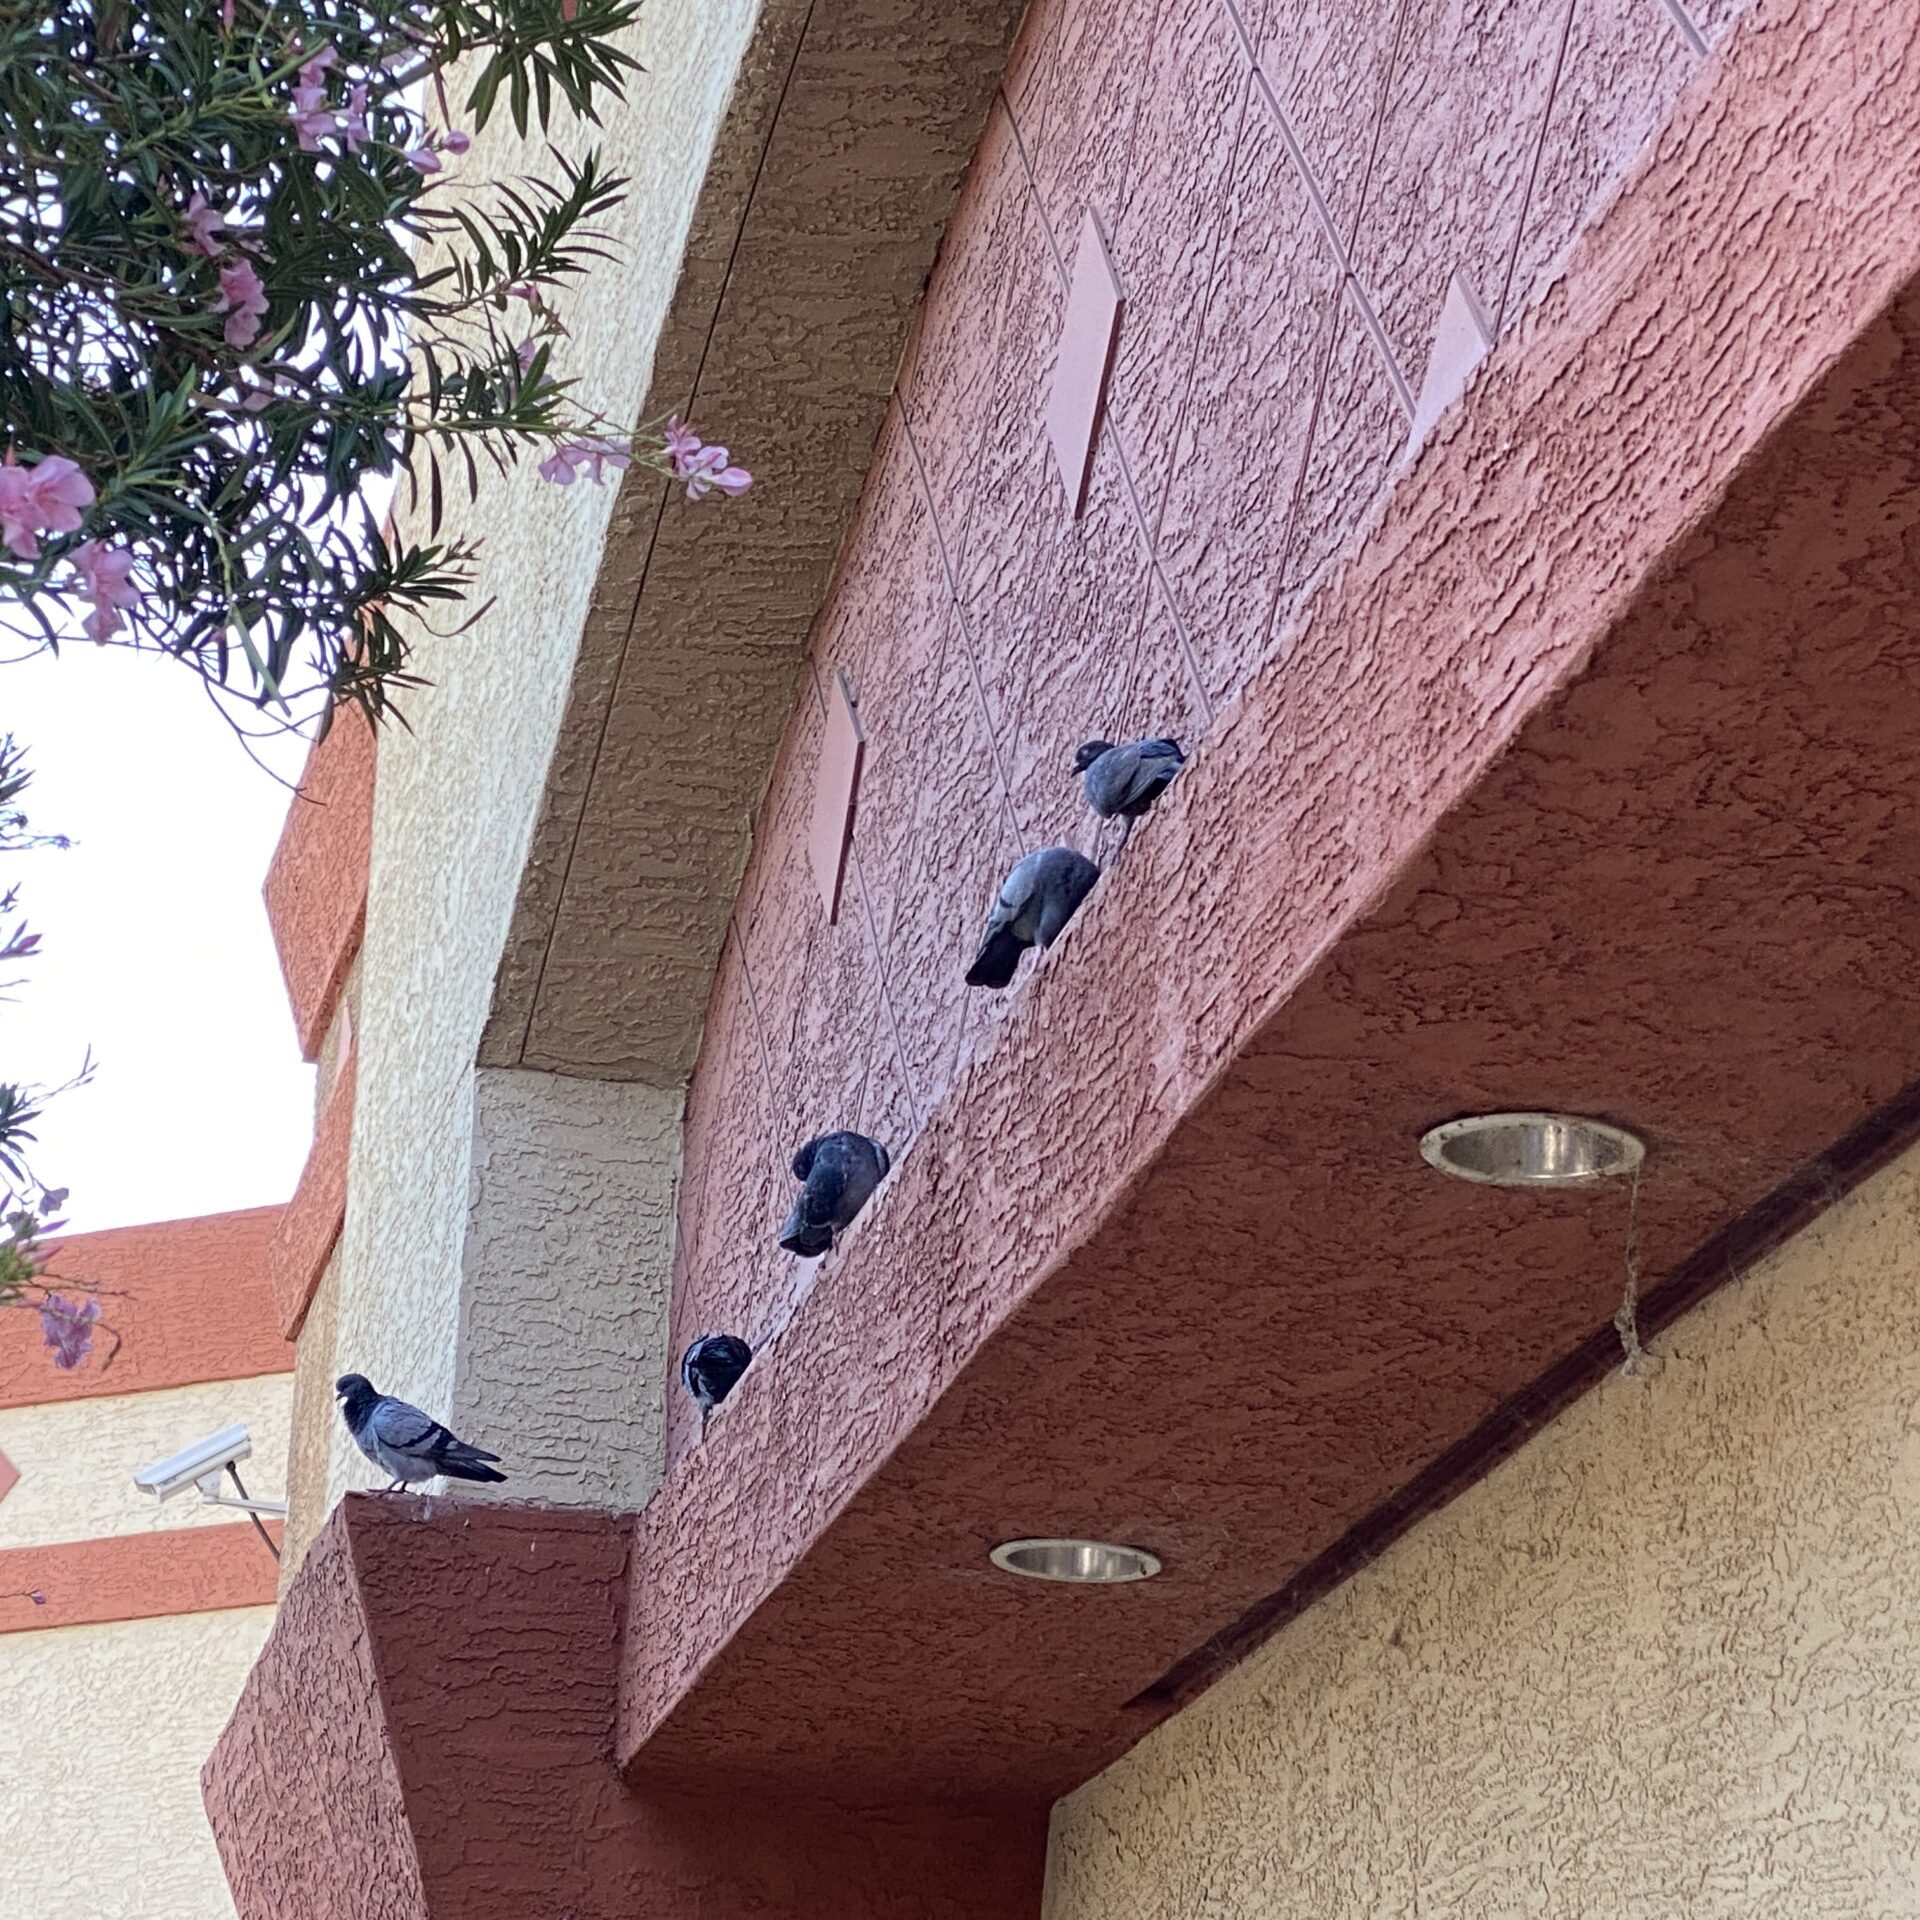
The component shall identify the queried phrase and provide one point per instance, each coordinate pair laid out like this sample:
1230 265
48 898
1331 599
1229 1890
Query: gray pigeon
838 1171
1121 783
710 1369
402 1441
1036 900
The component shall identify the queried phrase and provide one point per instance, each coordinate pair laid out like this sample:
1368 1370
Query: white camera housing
199 1465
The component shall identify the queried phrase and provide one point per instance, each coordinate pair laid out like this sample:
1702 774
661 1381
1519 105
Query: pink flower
354 124
709 471
311 118
243 300
226 16
206 225
455 141
683 445
524 290
48 498
423 160
106 583
524 353
67 1327
592 457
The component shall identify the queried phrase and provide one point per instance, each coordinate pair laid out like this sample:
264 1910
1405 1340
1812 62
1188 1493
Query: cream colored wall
564 1291
456 797
1663 1662
77 1458
102 1734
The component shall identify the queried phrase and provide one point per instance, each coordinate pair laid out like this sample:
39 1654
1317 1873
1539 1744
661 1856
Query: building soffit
1577 781
838 160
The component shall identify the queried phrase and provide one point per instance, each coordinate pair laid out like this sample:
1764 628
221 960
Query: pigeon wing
403 1428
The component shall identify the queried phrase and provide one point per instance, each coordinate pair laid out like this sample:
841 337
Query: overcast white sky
155 950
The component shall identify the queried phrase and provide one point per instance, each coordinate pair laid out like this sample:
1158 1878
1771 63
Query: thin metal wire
1639 1363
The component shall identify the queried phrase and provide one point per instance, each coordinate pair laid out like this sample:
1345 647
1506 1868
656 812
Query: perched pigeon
1121 783
838 1172
711 1368
1037 899
402 1441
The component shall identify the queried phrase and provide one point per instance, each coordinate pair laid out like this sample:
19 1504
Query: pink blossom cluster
314 118
49 497
106 584
243 296
705 469
571 458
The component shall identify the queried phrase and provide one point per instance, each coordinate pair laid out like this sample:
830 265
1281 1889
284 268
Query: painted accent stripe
189 1298
139 1576
304 1240
316 889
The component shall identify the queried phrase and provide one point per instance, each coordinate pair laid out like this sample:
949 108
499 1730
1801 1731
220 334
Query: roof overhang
1583 780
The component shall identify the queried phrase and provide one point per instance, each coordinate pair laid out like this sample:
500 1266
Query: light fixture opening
1085 1563
1531 1150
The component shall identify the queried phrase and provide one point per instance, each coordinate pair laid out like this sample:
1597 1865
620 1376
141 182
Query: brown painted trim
310 1226
1795 1204
189 1299
316 887
136 1576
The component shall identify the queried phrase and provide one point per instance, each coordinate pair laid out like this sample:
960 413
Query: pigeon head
1090 751
357 1393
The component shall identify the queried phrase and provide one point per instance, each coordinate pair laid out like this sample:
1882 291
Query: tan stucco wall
102 1734
456 797
1663 1662
568 1262
77 1459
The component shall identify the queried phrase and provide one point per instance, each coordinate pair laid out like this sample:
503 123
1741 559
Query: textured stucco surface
849 131
77 1458
316 888
310 1223
1662 1661
1570 785
563 1300
425 1735
316 1430
136 1576
457 796
190 1299
1288 188
101 1740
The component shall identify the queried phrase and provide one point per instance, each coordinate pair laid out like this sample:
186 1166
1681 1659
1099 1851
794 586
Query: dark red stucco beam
1584 779
425 1737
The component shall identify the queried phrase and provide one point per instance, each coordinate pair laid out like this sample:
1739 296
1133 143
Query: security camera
199 1465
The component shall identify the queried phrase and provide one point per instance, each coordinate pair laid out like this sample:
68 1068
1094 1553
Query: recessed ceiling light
1531 1150
1086 1563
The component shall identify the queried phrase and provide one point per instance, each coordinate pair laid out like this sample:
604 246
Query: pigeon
711 1368
1121 783
838 1172
402 1441
1037 899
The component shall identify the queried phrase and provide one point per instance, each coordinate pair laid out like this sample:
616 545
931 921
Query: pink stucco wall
1288 188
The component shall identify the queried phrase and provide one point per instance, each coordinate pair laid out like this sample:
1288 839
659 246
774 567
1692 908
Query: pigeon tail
999 955
457 1469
